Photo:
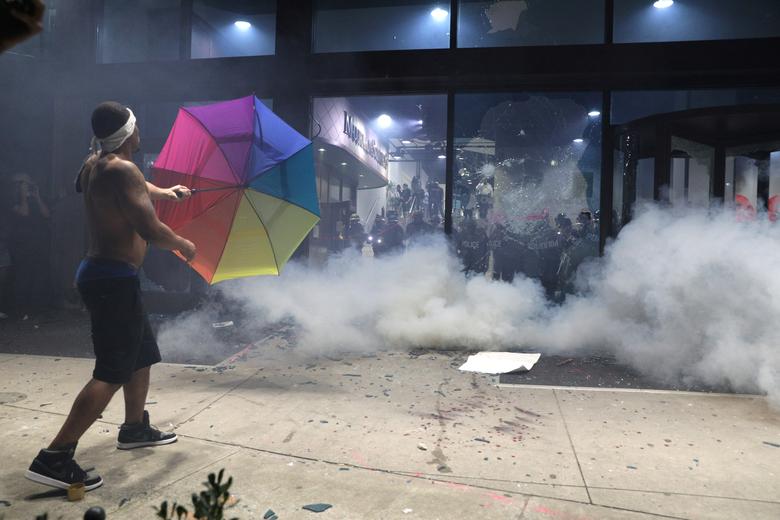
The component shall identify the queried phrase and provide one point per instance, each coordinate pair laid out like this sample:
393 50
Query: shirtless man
122 221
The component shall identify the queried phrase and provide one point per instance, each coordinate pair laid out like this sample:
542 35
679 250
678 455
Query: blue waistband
101 268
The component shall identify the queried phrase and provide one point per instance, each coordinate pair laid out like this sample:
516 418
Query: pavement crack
571 443
253 374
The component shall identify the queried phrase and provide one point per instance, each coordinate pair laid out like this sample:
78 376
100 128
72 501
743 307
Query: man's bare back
120 214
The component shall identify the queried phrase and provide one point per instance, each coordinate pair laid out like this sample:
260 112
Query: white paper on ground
499 362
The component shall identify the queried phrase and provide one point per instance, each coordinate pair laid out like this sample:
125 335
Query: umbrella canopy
255 196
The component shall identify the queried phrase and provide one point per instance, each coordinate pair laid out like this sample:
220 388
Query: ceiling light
439 14
242 25
321 150
594 113
343 164
419 121
384 121
578 140
405 141
442 157
663 4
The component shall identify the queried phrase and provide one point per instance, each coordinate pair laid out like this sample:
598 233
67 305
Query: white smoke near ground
690 296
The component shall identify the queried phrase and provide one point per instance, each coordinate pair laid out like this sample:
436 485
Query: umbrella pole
203 190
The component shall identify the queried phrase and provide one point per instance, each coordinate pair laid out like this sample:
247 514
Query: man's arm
175 193
136 204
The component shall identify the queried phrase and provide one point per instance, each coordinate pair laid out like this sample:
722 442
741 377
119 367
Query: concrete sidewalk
376 436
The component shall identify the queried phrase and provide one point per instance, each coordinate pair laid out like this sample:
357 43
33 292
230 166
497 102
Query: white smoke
686 296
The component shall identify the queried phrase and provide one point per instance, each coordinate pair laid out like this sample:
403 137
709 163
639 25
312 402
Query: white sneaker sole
48 481
144 444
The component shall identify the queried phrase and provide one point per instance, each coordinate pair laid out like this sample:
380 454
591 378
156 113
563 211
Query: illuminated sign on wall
359 139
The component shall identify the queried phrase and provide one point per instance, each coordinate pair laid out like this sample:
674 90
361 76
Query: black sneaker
58 469
142 434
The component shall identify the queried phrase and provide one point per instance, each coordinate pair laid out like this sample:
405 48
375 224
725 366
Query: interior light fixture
663 4
384 121
579 140
594 113
242 25
321 150
343 164
439 14
405 141
442 157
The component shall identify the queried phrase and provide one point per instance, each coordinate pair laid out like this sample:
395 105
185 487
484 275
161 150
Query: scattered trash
5 503
351 375
564 362
480 439
317 508
76 492
422 447
408 510
270 515
124 501
343 469
291 464
499 362
44 404
151 402
631 467
222 324
774 445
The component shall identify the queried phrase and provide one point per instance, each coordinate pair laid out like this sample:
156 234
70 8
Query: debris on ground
124 501
317 508
564 362
222 324
76 492
5 503
631 467
773 444
408 510
422 447
270 515
480 439
499 362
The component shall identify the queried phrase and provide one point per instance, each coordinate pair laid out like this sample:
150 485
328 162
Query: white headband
117 139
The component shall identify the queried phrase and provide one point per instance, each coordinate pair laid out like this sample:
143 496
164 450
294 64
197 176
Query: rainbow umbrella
255 196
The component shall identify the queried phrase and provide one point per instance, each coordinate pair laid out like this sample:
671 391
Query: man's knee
108 387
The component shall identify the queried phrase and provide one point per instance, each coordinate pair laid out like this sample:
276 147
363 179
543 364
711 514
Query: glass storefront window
530 22
380 170
753 179
137 32
223 29
380 25
526 185
691 172
689 20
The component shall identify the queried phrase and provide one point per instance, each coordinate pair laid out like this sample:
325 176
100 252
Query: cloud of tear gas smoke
691 296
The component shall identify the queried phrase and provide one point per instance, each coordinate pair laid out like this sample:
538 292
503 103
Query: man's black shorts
121 334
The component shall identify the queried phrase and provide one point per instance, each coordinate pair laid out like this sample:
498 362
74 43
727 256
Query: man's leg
89 404
135 396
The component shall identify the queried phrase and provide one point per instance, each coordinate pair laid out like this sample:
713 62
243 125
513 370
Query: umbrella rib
227 239
216 142
273 251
